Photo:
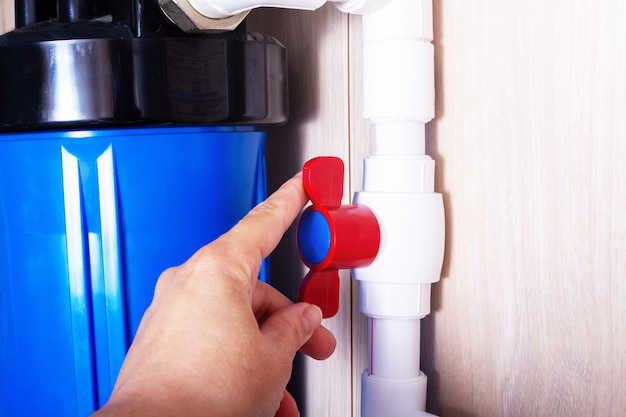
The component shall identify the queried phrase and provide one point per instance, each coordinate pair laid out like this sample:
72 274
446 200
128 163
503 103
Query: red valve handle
332 236
322 178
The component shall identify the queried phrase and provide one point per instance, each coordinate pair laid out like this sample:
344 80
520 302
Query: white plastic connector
411 249
398 63
361 6
202 16
392 397
221 9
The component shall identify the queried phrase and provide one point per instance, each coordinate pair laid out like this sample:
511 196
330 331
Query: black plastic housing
123 62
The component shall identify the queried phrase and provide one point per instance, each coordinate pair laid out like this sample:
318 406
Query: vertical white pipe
394 348
398 185
398 76
400 137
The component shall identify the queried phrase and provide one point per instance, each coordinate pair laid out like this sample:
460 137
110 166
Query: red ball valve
332 236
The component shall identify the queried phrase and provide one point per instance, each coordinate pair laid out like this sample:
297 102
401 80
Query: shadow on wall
285 143
428 340
285 149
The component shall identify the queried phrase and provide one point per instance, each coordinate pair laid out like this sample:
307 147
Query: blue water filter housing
94 209
89 221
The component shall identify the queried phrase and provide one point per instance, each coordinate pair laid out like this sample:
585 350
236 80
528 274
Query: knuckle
166 281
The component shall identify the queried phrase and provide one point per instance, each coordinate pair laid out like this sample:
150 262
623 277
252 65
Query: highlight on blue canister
313 237
89 219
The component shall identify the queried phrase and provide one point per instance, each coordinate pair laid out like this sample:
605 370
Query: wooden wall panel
530 316
7 21
317 44
360 141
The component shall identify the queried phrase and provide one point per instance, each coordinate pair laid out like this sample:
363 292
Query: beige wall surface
6 15
530 141
317 45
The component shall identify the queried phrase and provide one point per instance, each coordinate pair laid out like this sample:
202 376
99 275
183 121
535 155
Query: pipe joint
390 397
188 19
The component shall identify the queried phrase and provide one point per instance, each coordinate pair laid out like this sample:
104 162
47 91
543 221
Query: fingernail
312 317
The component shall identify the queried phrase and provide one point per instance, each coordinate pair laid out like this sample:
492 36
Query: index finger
260 231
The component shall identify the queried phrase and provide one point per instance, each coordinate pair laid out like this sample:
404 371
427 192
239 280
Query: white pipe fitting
389 397
221 9
361 6
398 63
206 16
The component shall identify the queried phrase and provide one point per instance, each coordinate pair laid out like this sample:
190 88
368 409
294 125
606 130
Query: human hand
216 341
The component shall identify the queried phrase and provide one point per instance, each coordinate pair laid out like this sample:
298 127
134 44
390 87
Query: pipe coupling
188 19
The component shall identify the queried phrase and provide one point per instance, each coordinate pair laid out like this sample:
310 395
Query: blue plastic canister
88 221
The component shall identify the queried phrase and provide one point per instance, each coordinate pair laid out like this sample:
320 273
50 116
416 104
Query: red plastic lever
323 181
332 236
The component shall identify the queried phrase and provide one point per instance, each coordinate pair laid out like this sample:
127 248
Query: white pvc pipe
398 185
388 397
398 173
398 75
401 301
399 137
394 348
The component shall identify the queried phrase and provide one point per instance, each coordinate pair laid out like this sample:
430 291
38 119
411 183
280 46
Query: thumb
292 326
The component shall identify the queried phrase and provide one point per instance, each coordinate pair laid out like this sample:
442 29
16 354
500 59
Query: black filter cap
125 68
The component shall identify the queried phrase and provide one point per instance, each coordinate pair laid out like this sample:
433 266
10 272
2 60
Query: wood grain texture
317 44
530 316
7 20
360 147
